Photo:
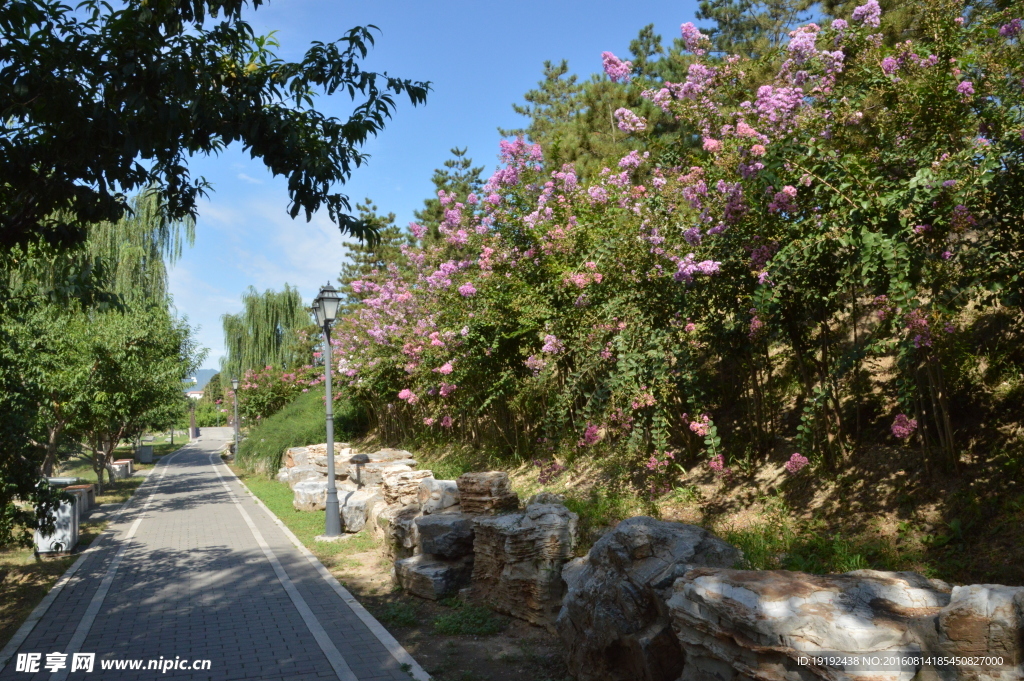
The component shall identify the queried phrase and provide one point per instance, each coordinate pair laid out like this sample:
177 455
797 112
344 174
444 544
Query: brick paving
193 583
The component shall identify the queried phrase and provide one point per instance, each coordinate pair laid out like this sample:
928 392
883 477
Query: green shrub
300 423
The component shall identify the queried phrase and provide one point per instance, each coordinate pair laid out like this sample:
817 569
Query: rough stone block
397 526
518 560
431 577
372 474
402 487
448 535
299 474
355 507
310 495
437 495
488 492
759 623
614 621
296 456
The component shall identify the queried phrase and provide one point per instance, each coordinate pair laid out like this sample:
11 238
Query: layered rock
282 474
299 474
402 487
446 535
751 624
396 525
296 456
488 492
369 469
436 495
432 577
310 495
518 560
340 449
355 507
340 465
614 620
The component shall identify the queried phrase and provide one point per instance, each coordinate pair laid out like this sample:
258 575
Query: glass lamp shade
330 301
318 312
234 384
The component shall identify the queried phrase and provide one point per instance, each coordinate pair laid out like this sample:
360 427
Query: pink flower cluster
796 462
552 345
700 425
629 121
591 436
870 13
617 69
718 467
693 39
903 427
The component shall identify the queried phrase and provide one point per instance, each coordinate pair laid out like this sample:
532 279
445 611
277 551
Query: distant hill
202 377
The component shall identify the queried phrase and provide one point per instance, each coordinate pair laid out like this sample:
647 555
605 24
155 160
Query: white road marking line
383 635
85 624
333 655
7 654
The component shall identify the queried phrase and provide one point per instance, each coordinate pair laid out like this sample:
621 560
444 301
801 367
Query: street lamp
325 308
234 398
193 432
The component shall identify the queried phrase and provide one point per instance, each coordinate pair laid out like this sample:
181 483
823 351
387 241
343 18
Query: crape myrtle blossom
1011 29
617 69
693 39
796 462
628 121
870 13
721 224
903 426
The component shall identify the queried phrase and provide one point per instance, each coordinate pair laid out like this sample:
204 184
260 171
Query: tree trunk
51 449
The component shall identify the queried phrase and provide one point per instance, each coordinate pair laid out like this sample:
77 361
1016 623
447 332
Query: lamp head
234 383
318 312
330 301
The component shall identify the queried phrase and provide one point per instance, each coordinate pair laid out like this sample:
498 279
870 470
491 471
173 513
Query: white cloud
250 180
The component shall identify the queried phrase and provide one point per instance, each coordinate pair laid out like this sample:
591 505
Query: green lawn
305 524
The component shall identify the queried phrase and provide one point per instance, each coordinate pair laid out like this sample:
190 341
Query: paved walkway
196 570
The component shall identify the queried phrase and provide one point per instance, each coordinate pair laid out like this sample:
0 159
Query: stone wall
655 600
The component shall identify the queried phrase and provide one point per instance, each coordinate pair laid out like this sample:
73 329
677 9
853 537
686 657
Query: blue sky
480 57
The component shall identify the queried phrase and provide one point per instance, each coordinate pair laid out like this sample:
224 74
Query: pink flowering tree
851 206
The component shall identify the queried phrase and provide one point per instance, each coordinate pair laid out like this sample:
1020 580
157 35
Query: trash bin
144 454
65 533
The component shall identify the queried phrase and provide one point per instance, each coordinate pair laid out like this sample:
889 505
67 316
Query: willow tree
266 332
137 248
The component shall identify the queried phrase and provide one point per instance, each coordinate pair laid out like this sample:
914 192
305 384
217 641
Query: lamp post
325 308
193 432
234 398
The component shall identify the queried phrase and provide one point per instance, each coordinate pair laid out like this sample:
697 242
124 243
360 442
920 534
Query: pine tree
365 261
753 28
458 176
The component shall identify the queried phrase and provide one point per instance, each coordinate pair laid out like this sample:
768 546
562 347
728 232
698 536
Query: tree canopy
96 102
265 333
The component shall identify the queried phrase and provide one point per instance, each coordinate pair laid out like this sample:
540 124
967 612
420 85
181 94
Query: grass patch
778 541
398 613
604 508
300 423
468 620
306 525
25 579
